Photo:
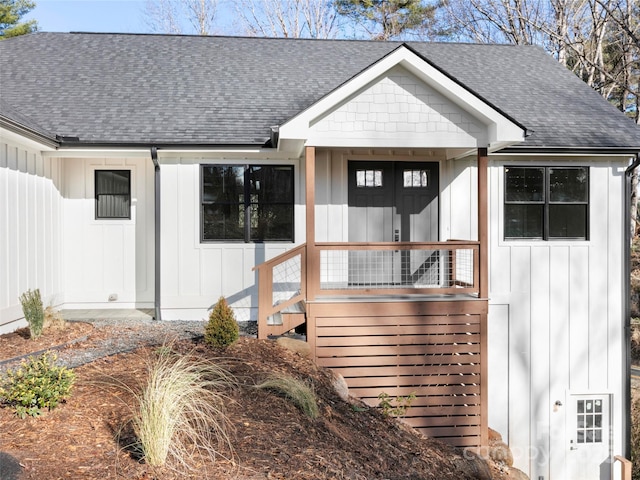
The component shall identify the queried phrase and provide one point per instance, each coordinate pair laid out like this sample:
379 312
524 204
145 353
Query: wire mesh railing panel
287 280
368 268
463 273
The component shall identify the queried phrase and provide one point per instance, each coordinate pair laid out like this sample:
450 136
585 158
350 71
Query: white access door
589 456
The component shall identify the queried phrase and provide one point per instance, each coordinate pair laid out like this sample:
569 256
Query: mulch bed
87 437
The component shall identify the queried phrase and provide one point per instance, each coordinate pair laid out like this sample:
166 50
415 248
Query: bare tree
288 18
496 21
597 39
181 16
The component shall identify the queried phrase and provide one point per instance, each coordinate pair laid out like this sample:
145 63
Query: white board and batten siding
458 218
31 209
555 322
195 273
109 263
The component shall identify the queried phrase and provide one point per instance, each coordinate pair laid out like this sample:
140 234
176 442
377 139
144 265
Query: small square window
415 178
368 178
113 193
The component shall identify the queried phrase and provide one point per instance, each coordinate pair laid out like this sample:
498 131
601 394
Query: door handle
396 235
573 446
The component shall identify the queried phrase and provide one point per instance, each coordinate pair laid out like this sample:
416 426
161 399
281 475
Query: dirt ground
86 437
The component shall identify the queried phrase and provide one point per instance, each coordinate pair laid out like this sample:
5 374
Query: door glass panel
368 178
589 421
415 178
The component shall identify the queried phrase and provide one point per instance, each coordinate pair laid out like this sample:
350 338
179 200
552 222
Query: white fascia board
99 153
247 153
502 130
174 152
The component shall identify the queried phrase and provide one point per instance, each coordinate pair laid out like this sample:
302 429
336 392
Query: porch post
483 221
313 255
483 238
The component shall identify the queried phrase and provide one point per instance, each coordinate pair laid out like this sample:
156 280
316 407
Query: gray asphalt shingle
163 89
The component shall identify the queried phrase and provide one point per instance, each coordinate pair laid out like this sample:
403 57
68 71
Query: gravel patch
125 335
128 335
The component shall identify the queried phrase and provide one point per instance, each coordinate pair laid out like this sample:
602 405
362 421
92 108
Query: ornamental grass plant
300 393
180 410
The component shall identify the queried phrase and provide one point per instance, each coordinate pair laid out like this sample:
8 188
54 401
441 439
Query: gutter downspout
628 238
156 178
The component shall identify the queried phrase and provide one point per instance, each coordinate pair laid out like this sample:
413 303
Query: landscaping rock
475 466
300 347
340 385
9 467
500 452
515 474
494 436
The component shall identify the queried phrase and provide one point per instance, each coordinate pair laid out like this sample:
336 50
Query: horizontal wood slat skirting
437 357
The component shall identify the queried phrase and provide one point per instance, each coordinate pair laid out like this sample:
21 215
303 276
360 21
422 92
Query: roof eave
564 150
43 140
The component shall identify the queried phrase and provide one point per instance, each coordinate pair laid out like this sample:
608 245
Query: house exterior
446 219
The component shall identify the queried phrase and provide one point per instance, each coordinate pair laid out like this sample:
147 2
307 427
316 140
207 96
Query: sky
124 16
116 16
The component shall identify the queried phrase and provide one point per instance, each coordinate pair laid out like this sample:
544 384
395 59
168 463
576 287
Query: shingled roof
125 89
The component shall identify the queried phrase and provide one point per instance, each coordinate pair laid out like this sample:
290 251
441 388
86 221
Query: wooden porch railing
268 303
390 268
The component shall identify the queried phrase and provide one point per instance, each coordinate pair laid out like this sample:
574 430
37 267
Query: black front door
392 202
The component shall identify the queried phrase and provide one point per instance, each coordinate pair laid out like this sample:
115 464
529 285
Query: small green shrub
222 329
37 384
401 406
299 392
33 311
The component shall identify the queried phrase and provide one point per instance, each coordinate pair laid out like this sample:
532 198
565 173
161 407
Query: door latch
396 235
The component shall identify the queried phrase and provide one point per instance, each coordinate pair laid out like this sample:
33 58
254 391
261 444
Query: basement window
113 194
546 203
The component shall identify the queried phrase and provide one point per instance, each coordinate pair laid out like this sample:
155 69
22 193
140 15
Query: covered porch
401 318
392 280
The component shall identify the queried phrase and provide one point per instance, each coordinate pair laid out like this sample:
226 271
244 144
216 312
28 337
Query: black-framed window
113 194
546 203
250 203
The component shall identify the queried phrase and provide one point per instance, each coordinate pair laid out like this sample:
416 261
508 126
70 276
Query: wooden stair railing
287 314
626 467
